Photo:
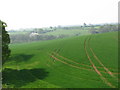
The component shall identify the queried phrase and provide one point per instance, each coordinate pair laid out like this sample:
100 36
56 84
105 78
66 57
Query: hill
89 61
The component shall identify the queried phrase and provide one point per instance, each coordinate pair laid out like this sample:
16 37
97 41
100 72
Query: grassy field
89 61
57 32
68 32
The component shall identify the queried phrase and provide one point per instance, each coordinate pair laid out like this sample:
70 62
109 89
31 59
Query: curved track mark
97 71
69 64
77 62
72 75
56 51
70 60
98 60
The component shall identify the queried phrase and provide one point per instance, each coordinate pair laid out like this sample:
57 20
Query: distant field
89 61
57 32
68 32
18 32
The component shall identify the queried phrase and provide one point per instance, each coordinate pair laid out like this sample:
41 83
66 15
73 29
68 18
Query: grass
54 63
58 32
68 32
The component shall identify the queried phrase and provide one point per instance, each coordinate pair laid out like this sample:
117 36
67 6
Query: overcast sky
45 13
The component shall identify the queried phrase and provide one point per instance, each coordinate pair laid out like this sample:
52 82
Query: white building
34 34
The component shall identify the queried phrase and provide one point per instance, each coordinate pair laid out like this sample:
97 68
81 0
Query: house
34 34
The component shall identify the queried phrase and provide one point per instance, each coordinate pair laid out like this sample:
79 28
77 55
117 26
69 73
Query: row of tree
104 28
20 38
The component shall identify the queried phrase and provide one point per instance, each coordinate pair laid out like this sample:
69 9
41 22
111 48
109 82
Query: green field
89 61
57 32
68 32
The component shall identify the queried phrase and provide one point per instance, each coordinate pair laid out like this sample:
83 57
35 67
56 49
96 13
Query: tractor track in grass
99 61
56 54
71 60
71 65
71 75
68 74
56 51
95 68
55 58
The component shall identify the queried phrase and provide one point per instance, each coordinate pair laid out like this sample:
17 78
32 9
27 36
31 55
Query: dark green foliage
5 42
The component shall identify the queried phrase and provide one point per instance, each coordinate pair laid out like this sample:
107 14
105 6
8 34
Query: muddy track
69 64
70 60
75 61
56 51
95 68
98 60
56 54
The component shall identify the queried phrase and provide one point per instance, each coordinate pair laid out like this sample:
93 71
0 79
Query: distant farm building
33 34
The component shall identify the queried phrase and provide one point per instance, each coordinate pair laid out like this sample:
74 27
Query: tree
5 42
85 24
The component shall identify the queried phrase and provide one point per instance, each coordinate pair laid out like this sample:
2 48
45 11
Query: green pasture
68 32
62 63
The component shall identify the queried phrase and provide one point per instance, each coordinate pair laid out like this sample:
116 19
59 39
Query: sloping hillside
89 61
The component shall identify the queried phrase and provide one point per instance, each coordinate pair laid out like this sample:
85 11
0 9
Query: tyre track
98 60
56 54
69 64
72 75
70 60
104 79
56 51
96 70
